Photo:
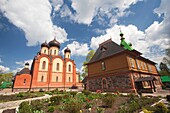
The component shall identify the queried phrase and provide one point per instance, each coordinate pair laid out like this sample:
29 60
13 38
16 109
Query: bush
160 108
55 100
41 90
73 106
108 100
24 107
51 109
73 93
37 105
86 92
20 94
100 110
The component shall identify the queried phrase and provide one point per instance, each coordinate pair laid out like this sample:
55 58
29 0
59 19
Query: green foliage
73 106
7 77
51 108
99 110
108 100
37 111
86 92
88 58
55 100
24 108
88 105
20 94
37 105
73 93
81 97
160 108
146 111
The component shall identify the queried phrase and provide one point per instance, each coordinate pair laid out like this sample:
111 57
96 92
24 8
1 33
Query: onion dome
27 64
44 45
121 34
54 43
67 50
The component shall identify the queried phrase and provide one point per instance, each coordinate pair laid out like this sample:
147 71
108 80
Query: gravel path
15 104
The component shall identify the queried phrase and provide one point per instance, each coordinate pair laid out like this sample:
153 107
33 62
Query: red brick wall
19 81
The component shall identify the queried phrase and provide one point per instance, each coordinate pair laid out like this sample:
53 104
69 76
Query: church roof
106 49
24 71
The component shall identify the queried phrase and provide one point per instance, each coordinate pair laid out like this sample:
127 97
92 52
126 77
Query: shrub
41 90
51 109
37 105
55 100
146 111
88 105
37 111
20 94
108 100
160 108
73 93
24 107
86 92
73 106
99 110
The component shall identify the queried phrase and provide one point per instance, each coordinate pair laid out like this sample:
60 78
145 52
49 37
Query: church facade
121 68
49 70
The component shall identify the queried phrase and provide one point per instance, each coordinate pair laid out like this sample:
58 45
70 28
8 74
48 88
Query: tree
88 58
6 77
165 64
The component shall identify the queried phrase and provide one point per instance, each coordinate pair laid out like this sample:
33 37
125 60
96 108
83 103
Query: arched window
69 79
57 67
50 52
56 78
69 68
103 66
43 65
55 52
68 56
45 51
42 78
24 81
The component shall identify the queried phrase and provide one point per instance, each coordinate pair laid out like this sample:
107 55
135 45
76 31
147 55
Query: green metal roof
165 78
126 45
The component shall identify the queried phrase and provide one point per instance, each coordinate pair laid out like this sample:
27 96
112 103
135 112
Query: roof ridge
109 40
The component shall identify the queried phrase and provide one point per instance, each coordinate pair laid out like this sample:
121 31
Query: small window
103 66
138 64
50 52
141 64
24 81
56 78
149 67
69 68
55 52
58 65
45 51
132 63
42 78
69 79
144 66
43 65
68 56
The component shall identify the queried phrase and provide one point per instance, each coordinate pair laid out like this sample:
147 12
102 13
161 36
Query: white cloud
145 42
57 4
87 10
4 69
33 17
78 49
21 64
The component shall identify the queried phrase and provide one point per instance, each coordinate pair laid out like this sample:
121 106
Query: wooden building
49 70
121 68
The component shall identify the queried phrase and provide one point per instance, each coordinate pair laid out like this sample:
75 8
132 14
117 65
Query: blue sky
81 25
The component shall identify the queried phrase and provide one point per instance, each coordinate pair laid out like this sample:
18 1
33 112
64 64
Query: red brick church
49 70
121 68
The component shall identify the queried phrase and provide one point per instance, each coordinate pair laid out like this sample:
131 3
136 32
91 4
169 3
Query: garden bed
20 96
85 102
